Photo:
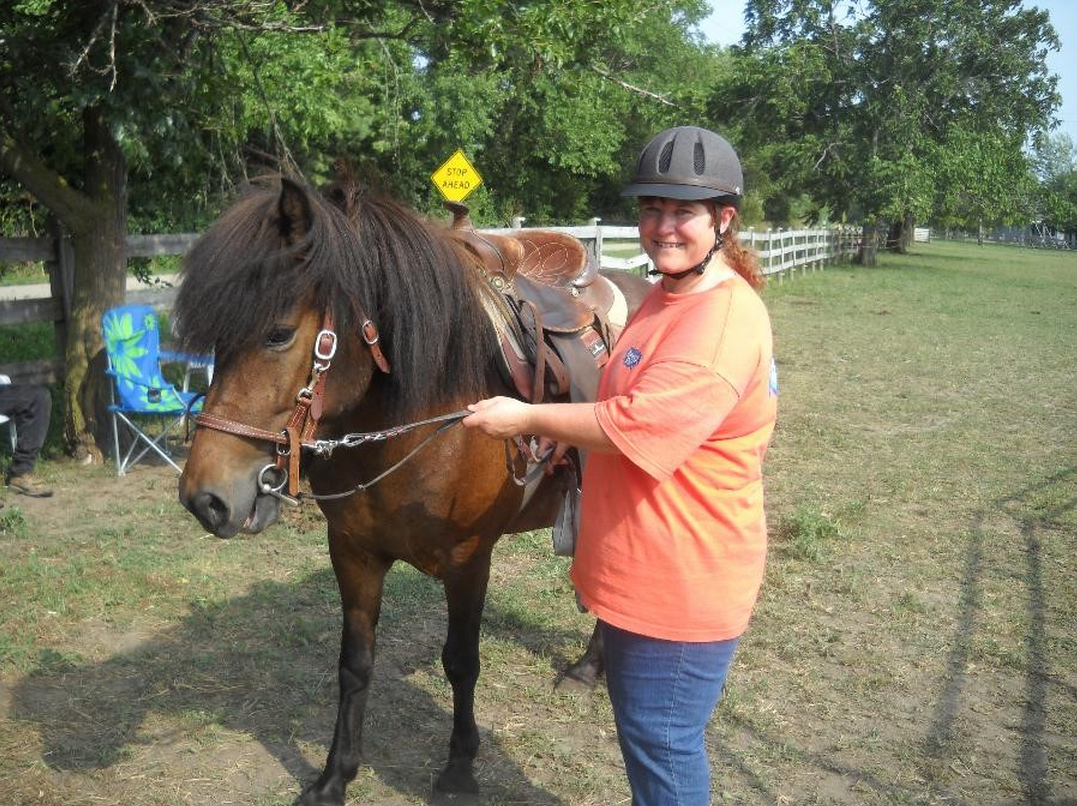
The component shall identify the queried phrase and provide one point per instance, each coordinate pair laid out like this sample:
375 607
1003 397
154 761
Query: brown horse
349 315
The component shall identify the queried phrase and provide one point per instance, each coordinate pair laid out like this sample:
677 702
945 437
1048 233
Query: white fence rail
779 250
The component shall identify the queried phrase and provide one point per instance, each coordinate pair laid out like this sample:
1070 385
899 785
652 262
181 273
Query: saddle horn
461 216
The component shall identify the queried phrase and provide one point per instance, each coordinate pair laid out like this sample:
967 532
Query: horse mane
364 255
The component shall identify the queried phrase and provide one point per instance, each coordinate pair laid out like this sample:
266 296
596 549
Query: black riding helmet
694 164
688 162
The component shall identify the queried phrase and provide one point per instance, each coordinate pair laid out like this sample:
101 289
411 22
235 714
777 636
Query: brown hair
739 257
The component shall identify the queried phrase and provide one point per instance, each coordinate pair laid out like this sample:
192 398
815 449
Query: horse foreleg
465 594
584 673
360 579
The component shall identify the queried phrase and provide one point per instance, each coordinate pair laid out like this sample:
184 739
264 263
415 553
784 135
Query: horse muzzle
226 513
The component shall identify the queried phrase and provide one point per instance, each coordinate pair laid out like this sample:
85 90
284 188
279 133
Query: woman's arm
571 423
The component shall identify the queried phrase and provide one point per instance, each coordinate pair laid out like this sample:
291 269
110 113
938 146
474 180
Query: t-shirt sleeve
672 409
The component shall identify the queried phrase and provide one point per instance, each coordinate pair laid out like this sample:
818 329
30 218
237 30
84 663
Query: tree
876 88
118 108
552 126
89 90
983 180
1055 168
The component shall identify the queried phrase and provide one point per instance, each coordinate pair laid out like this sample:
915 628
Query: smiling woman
689 181
679 235
672 488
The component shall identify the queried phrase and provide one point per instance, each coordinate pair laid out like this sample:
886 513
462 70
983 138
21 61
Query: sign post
456 178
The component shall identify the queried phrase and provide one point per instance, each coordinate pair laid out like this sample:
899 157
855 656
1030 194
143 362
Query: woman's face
676 234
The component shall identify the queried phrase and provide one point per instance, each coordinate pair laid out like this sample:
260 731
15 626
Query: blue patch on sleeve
773 378
633 357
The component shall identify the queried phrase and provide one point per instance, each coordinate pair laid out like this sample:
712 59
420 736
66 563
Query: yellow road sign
456 177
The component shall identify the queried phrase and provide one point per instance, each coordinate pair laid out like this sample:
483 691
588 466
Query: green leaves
1056 168
552 100
876 92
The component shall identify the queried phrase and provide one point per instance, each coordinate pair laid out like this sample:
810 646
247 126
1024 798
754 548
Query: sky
725 26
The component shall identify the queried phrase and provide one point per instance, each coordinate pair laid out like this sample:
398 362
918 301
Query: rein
299 431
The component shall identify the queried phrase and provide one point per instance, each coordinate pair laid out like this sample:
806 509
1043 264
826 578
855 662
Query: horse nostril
211 510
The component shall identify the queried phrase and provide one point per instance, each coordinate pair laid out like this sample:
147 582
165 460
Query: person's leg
30 407
663 694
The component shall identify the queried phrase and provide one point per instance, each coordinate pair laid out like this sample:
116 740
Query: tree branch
631 87
285 160
72 207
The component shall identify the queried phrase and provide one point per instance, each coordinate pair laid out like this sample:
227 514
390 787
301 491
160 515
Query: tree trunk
909 233
895 237
99 284
902 231
980 233
96 218
869 245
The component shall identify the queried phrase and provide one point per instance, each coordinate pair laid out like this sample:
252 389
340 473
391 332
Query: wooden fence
781 253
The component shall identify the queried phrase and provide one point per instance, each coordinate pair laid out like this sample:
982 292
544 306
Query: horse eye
279 337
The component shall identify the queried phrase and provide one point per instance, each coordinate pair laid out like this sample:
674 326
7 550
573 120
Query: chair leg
116 444
150 444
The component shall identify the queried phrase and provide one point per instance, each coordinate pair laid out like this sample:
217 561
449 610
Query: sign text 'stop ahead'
456 177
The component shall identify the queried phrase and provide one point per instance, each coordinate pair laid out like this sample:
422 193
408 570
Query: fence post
781 251
769 238
598 239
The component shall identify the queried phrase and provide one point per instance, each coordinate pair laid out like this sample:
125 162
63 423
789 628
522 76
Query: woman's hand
565 424
556 453
499 417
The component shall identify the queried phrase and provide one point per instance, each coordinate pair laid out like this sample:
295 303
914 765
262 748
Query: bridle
299 431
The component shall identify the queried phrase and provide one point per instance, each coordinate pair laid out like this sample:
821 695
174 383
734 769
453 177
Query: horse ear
294 210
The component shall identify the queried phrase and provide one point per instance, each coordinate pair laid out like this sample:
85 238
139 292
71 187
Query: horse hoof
568 682
457 781
580 676
316 797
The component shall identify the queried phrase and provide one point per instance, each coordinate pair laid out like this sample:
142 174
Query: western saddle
557 338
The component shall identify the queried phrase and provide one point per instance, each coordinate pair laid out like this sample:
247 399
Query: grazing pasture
915 643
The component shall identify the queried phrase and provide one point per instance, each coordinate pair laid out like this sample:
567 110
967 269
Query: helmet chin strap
699 268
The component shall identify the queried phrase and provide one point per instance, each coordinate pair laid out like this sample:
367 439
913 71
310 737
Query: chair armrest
186 358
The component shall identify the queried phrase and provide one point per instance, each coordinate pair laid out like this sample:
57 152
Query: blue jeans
663 694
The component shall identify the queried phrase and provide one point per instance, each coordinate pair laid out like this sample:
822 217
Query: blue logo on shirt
633 357
773 378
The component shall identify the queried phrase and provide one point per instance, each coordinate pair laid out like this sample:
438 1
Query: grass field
915 642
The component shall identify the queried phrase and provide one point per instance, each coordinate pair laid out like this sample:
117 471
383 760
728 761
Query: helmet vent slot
665 158
699 159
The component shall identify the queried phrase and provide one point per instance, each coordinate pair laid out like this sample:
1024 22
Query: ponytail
739 257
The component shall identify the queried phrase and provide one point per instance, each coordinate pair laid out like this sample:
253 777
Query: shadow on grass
264 664
1033 767
863 778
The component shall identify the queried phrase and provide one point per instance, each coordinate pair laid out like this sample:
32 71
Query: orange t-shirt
673 538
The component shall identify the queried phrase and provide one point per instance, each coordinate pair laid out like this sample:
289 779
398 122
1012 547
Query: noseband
299 431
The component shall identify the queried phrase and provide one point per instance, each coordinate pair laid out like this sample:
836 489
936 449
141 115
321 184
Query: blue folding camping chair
140 394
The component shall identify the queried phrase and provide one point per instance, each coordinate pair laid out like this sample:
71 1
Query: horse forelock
374 258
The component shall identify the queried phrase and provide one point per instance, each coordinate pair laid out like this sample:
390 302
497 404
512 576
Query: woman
672 538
